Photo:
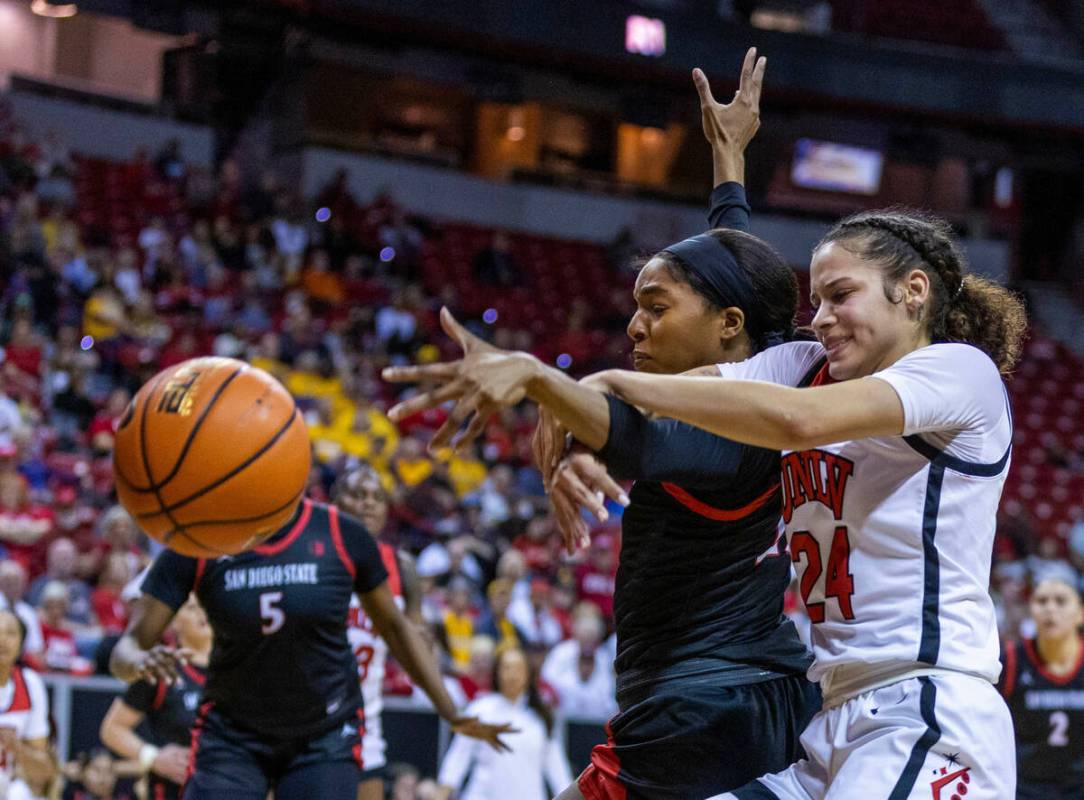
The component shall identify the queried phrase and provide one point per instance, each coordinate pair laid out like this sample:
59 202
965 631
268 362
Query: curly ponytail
963 307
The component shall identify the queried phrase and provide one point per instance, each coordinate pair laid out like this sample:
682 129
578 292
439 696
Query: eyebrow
650 288
828 286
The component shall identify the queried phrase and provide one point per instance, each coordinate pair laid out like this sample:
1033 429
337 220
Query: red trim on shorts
601 781
1009 682
201 565
20 697
160 695
288 539
1057 680
391 564
159 791
193 749
359 756
337 540
717 514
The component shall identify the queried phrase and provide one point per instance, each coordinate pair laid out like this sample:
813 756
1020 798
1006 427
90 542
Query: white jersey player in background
26 765
361 493
894 461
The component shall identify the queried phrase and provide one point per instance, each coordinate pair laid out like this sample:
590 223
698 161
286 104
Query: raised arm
406 644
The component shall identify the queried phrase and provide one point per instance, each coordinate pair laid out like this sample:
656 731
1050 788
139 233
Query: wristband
147 754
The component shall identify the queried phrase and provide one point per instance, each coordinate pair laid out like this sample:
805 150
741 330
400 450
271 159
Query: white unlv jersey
369 647
25 709
892 537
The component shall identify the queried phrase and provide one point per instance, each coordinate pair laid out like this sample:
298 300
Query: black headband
727 283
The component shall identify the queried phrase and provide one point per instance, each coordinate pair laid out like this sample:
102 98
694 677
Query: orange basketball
211 455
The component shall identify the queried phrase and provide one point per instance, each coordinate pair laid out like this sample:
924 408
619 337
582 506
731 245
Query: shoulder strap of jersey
160 695
337 540
20 699
391 564
817 374
1008 680
201 565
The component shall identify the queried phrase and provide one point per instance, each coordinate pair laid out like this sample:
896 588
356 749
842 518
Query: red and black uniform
711 685
170 713
281 707
1048 716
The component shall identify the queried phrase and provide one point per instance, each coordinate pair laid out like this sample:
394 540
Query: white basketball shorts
946 736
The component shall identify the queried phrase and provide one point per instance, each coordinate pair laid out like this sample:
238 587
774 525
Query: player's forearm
412 652
759 414
125 742
727 163
36 763
583 410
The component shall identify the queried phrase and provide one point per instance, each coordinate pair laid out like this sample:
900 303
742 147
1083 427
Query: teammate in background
1043 682
360 492
26 763
701 635
535 753
169 710
281 709
894 460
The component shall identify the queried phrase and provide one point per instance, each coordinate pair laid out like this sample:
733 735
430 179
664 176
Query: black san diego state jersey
1048 715
281 665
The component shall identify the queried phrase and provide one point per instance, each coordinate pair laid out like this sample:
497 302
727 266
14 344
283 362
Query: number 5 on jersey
838 581
273 617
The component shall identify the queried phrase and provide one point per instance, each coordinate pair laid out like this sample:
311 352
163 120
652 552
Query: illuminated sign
645 36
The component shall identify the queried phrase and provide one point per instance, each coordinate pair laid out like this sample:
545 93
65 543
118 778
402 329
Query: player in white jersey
894 459
361 493
25 760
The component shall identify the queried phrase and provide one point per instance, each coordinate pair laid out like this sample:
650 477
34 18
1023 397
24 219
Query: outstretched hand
734 124
485 379
490 734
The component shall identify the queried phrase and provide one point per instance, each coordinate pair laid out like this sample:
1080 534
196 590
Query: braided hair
963 307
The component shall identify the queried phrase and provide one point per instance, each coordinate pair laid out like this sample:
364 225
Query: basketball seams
146 461
293 417
294 500
154 487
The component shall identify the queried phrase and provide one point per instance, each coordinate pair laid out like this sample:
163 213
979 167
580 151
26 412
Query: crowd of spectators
247 270
322 294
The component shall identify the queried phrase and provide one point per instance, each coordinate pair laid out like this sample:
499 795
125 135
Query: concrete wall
447 194
107 133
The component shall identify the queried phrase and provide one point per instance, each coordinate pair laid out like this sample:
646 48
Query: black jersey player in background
168 708
361 492
281 709
1042 679
711 680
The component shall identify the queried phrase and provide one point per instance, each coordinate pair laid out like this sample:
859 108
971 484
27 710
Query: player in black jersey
168 708
1042 679
281 709
711 680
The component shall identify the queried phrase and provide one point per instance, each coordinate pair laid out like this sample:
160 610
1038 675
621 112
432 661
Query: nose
637 330
823 318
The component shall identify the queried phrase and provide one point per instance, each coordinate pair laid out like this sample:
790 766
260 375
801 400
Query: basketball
211 455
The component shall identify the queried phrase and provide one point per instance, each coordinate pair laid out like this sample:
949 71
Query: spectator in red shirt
24 526
595 578
106 599
539 545
24 348
103 428
61 653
